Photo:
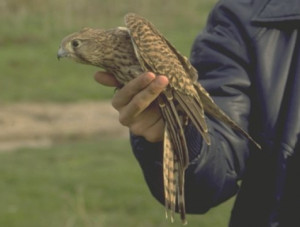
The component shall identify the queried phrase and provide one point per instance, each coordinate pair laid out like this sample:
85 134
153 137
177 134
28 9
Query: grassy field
79 183
88 184
31 31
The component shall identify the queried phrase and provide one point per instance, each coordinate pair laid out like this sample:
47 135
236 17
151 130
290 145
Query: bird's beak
61 53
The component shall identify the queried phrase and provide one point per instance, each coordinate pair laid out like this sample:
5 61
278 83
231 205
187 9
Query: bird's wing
156 54
146 37
136 24
212 109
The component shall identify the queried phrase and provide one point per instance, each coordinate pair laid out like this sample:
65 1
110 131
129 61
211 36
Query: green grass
31 72
31 31
91 183
83 184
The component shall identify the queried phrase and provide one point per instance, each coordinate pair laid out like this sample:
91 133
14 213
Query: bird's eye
75 43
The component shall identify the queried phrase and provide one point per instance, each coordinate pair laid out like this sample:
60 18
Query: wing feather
195 111
212 109
134 22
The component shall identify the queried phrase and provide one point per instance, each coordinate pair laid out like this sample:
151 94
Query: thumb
106 79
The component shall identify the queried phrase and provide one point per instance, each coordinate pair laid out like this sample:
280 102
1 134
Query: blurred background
64 159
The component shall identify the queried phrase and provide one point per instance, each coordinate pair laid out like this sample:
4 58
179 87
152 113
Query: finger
144 120
142 100
106 79
149 124
145 97
124 95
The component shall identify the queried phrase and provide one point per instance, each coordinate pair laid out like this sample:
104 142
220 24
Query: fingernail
162 80
149 76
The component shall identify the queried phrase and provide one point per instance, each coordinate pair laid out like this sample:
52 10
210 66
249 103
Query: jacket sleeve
220 55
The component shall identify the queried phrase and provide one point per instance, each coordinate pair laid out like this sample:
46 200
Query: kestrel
127 52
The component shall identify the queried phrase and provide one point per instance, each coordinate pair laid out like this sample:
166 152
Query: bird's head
86 46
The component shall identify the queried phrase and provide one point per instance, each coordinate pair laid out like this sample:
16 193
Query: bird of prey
127 52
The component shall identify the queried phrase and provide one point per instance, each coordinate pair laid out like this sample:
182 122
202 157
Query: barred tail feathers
175 157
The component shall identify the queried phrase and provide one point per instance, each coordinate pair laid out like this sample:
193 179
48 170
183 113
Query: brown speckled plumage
128 51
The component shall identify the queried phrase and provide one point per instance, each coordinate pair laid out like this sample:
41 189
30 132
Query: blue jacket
248 58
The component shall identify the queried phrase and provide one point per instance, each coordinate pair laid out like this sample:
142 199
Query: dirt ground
36 124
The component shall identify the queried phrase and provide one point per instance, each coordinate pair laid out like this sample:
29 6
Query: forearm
214 170
211 176
149 156
222 60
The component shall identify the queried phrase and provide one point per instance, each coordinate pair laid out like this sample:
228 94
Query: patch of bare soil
36 124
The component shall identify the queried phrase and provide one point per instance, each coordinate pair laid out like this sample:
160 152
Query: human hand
135 103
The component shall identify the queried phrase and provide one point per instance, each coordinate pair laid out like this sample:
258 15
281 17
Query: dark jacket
248 58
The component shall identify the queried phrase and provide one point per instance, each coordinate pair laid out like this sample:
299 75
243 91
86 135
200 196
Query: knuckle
124 120
139 104
114 103
153 91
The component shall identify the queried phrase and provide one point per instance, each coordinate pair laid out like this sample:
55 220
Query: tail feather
168 175
175 127
175 157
